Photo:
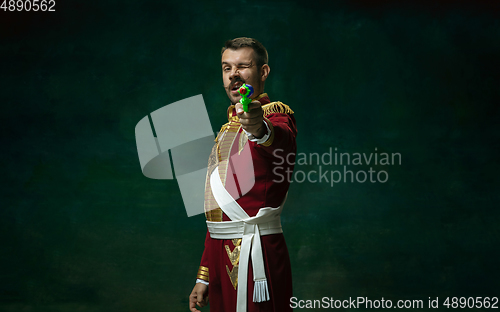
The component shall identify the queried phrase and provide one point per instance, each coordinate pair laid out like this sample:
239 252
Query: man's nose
234 73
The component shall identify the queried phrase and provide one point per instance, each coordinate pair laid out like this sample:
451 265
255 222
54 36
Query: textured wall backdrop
82 229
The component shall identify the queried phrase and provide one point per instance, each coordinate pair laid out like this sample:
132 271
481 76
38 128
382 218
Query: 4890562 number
28 5
471 302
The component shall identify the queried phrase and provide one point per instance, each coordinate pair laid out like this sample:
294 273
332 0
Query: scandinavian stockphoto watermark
334 167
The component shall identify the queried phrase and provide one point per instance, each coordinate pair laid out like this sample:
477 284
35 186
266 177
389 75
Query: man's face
239 67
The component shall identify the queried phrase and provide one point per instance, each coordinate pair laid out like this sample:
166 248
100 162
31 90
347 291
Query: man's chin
234 99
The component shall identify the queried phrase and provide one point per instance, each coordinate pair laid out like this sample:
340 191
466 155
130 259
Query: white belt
236 229
249 229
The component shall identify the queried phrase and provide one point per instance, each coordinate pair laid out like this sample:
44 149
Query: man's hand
253 120
199 296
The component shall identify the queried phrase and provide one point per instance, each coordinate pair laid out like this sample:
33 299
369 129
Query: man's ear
264 72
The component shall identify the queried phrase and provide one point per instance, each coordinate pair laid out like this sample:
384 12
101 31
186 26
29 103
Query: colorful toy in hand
246 92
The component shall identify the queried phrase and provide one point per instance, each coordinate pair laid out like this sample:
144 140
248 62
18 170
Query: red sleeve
203 269
283 133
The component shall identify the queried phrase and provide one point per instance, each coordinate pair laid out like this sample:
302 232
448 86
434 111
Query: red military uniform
219 263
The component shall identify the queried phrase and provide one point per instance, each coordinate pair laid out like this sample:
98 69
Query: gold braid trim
214 215
203 273
221 131
242 141
276 107
219 157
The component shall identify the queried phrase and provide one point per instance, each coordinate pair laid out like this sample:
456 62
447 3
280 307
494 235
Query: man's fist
253 121
199 296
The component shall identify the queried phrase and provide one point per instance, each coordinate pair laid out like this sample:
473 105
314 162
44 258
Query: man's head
244 60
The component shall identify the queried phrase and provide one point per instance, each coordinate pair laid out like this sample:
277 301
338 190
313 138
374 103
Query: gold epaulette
276 107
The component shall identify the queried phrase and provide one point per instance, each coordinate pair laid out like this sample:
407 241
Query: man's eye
226 69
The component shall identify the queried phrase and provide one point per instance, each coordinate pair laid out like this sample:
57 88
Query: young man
245 265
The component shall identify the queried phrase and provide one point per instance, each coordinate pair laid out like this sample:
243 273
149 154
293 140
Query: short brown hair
259 49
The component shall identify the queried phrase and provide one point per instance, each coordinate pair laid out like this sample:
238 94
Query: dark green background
83 230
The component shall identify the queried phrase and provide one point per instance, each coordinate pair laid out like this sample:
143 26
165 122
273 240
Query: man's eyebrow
240 63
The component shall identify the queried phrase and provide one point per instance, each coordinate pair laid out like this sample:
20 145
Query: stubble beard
233 100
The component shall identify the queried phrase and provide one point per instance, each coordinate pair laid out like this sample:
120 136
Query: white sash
249 229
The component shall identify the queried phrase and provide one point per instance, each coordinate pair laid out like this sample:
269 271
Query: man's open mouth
237 85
